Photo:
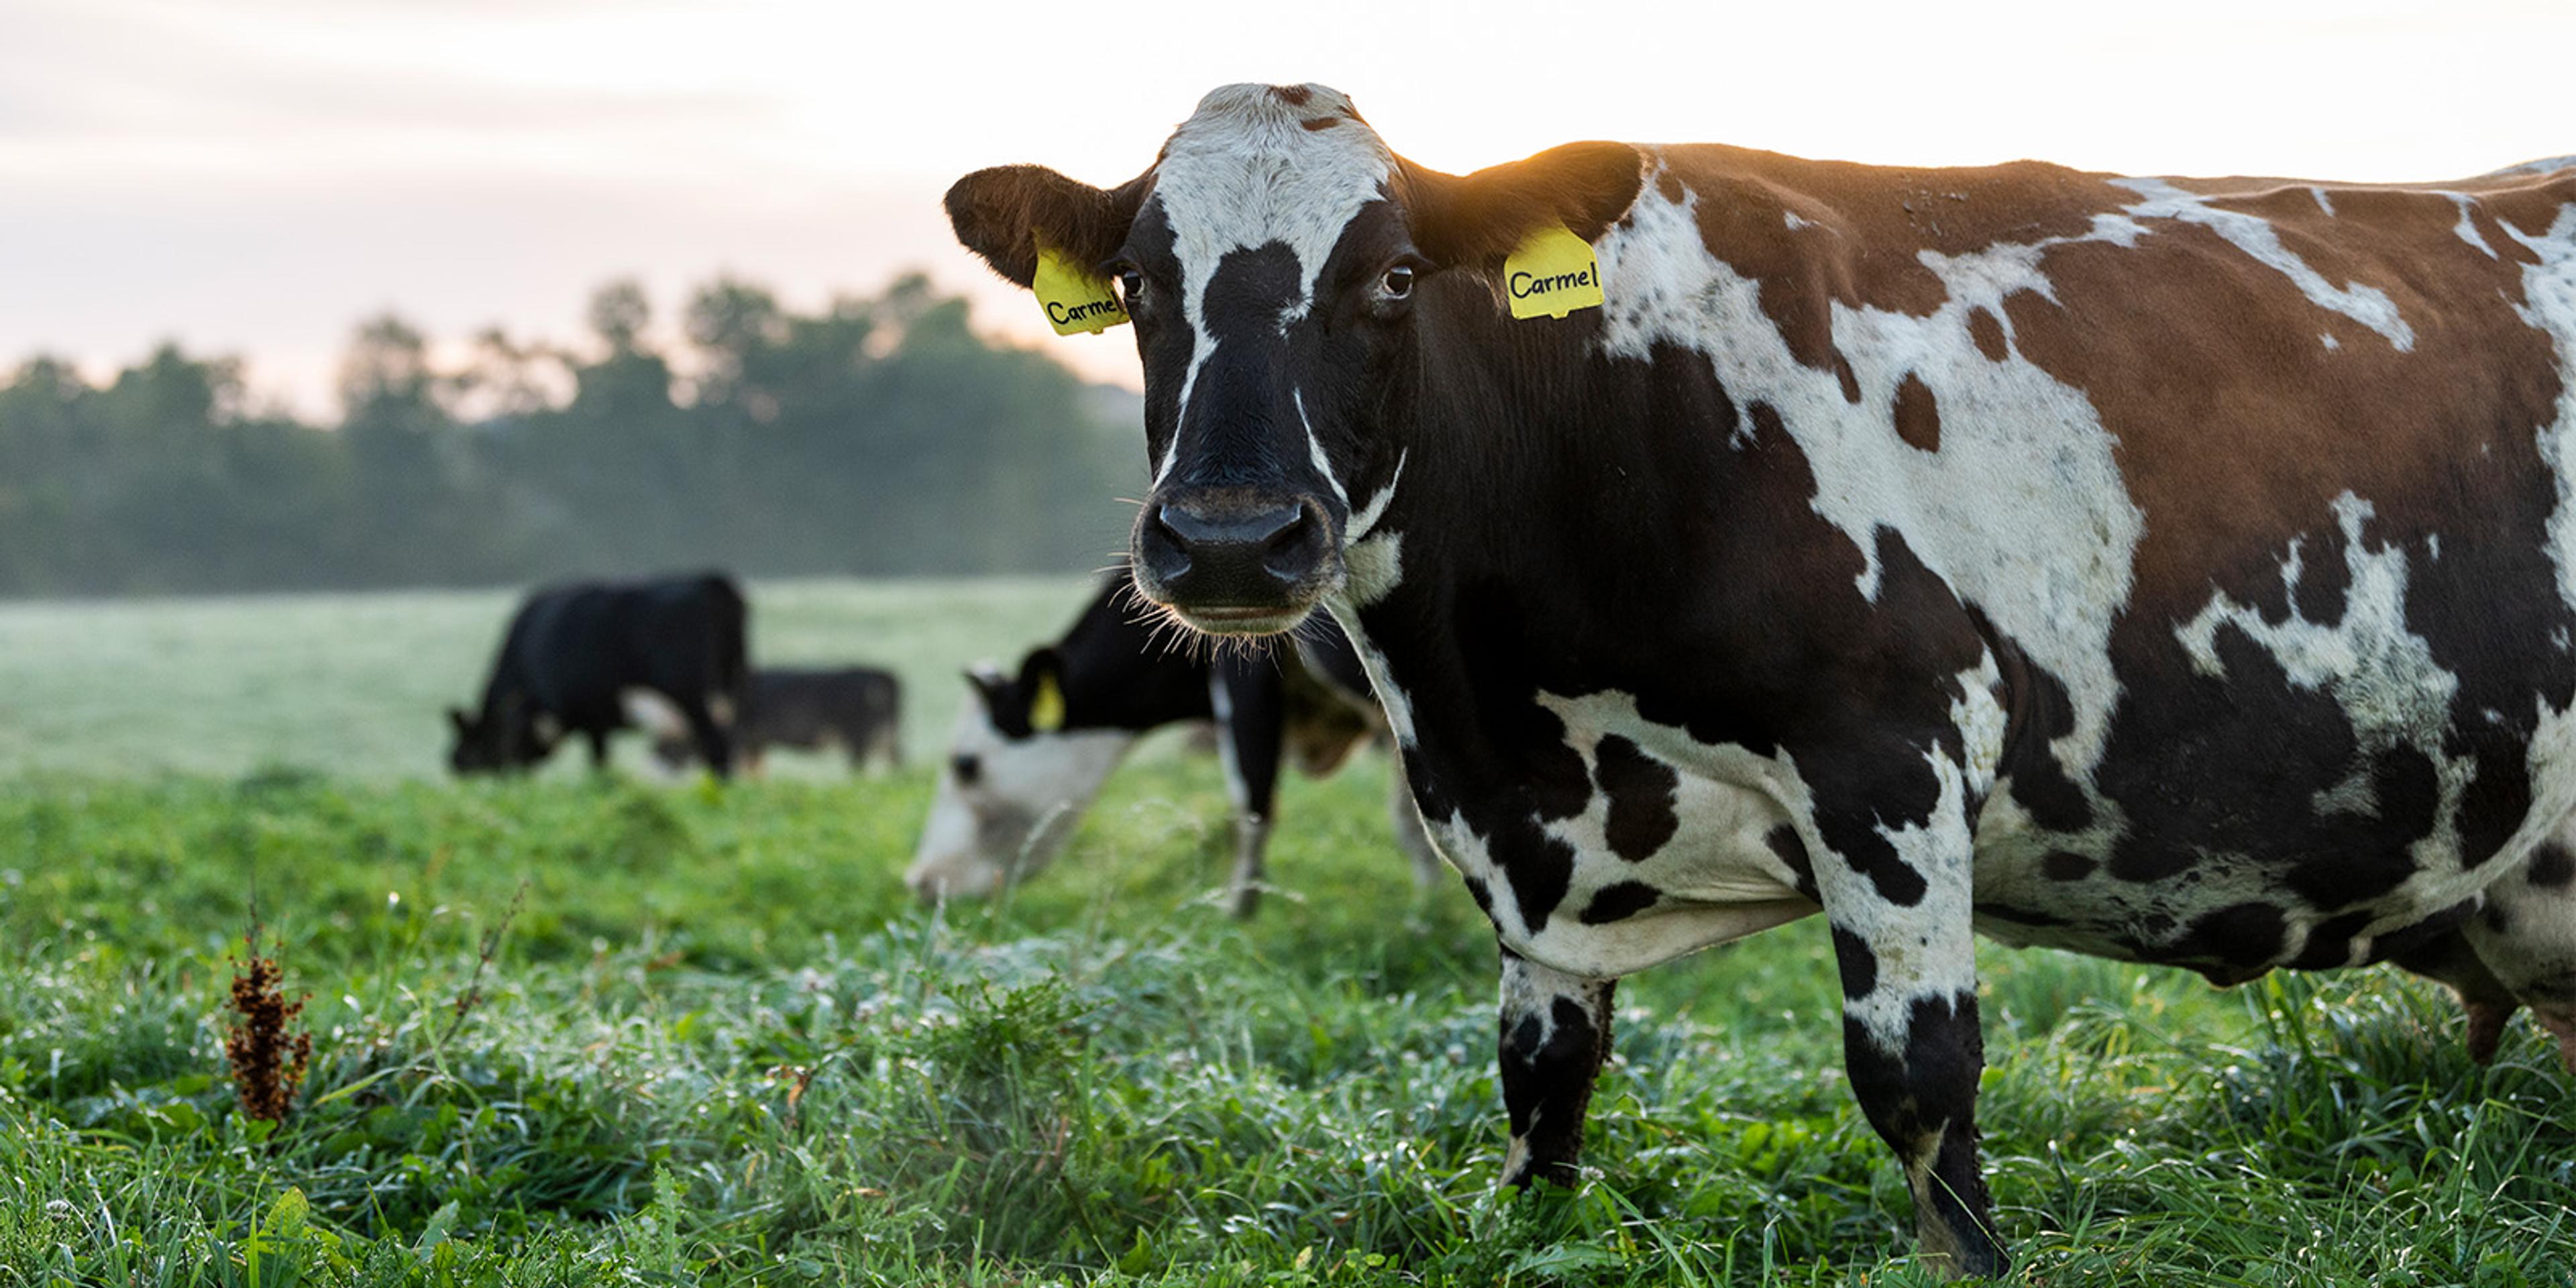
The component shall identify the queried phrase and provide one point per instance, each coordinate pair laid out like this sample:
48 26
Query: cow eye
1131 287
1399 281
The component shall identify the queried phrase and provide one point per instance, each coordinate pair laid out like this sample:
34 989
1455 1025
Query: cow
575 654
857 709
2178 571
1033 747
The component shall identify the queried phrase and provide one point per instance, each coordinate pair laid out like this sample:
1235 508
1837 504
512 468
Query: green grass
717 1043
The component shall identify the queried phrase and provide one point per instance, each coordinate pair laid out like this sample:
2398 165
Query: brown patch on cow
1988 332
1292 95
1918 414
2239 429
1670 185
1817 234
1002 213
1476 219
1320 122
1850 381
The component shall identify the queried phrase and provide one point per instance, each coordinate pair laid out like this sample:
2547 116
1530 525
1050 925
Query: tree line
879 435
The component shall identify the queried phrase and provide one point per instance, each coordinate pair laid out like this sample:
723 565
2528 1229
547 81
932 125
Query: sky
253 177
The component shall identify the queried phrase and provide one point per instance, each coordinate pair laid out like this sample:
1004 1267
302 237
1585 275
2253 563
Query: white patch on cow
2253 235
1795 223
1027 798
657 716
1315 451
2022 510
1369 514
2323 203
2549 305
2467 229
2331 343
1391 696
2377 669
1981 721
1371 568
1221 701
1244 172
1925 949
1717 878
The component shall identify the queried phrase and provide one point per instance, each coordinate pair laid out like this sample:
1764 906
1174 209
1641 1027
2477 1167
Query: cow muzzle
1233 562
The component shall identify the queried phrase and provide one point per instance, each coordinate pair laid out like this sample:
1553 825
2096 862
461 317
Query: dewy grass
720 1044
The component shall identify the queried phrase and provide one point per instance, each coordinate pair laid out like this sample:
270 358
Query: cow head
1283 269
1017 781
502 736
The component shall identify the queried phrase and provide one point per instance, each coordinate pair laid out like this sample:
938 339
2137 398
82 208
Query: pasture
572 1029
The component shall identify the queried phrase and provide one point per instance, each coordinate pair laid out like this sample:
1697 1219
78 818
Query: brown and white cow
2180 571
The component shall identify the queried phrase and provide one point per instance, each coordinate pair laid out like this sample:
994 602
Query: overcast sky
253 176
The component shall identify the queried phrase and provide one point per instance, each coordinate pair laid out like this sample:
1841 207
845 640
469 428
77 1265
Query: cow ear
1477 218
1003 213
1042 679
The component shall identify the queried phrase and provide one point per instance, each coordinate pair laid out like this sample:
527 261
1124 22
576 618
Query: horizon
255 179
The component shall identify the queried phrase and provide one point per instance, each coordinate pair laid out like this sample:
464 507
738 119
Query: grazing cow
2172 570
858 709
576 654
1032 749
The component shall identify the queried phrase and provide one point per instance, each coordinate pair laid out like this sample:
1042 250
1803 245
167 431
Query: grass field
714 1042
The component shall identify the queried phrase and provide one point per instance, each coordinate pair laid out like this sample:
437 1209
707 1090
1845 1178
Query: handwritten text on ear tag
1073 298
1552 273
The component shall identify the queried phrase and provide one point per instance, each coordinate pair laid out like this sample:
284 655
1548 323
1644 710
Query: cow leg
1249 703
1899 912
1555 1034
598 749
715 745
2526 936
1406 817
2451 960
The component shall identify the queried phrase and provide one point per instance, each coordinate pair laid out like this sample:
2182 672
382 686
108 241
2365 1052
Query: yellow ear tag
1552 273
1046 706
1073 298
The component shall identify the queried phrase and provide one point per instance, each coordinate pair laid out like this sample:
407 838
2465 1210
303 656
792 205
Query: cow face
1281 266
498 739
1015 786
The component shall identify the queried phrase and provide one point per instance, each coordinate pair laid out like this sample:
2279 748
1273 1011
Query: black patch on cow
1619 901
1425 786
1930 1084
1640 789
1482 894
2066 865
2233 943
2330 943
2038 712
1918 414
2413 940
2325 581
1539 869
1784 842
1859 966
2551 866
1547 1077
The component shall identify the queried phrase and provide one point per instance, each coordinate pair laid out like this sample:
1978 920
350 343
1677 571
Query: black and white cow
1033 748
857 709
2179 571
576 656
